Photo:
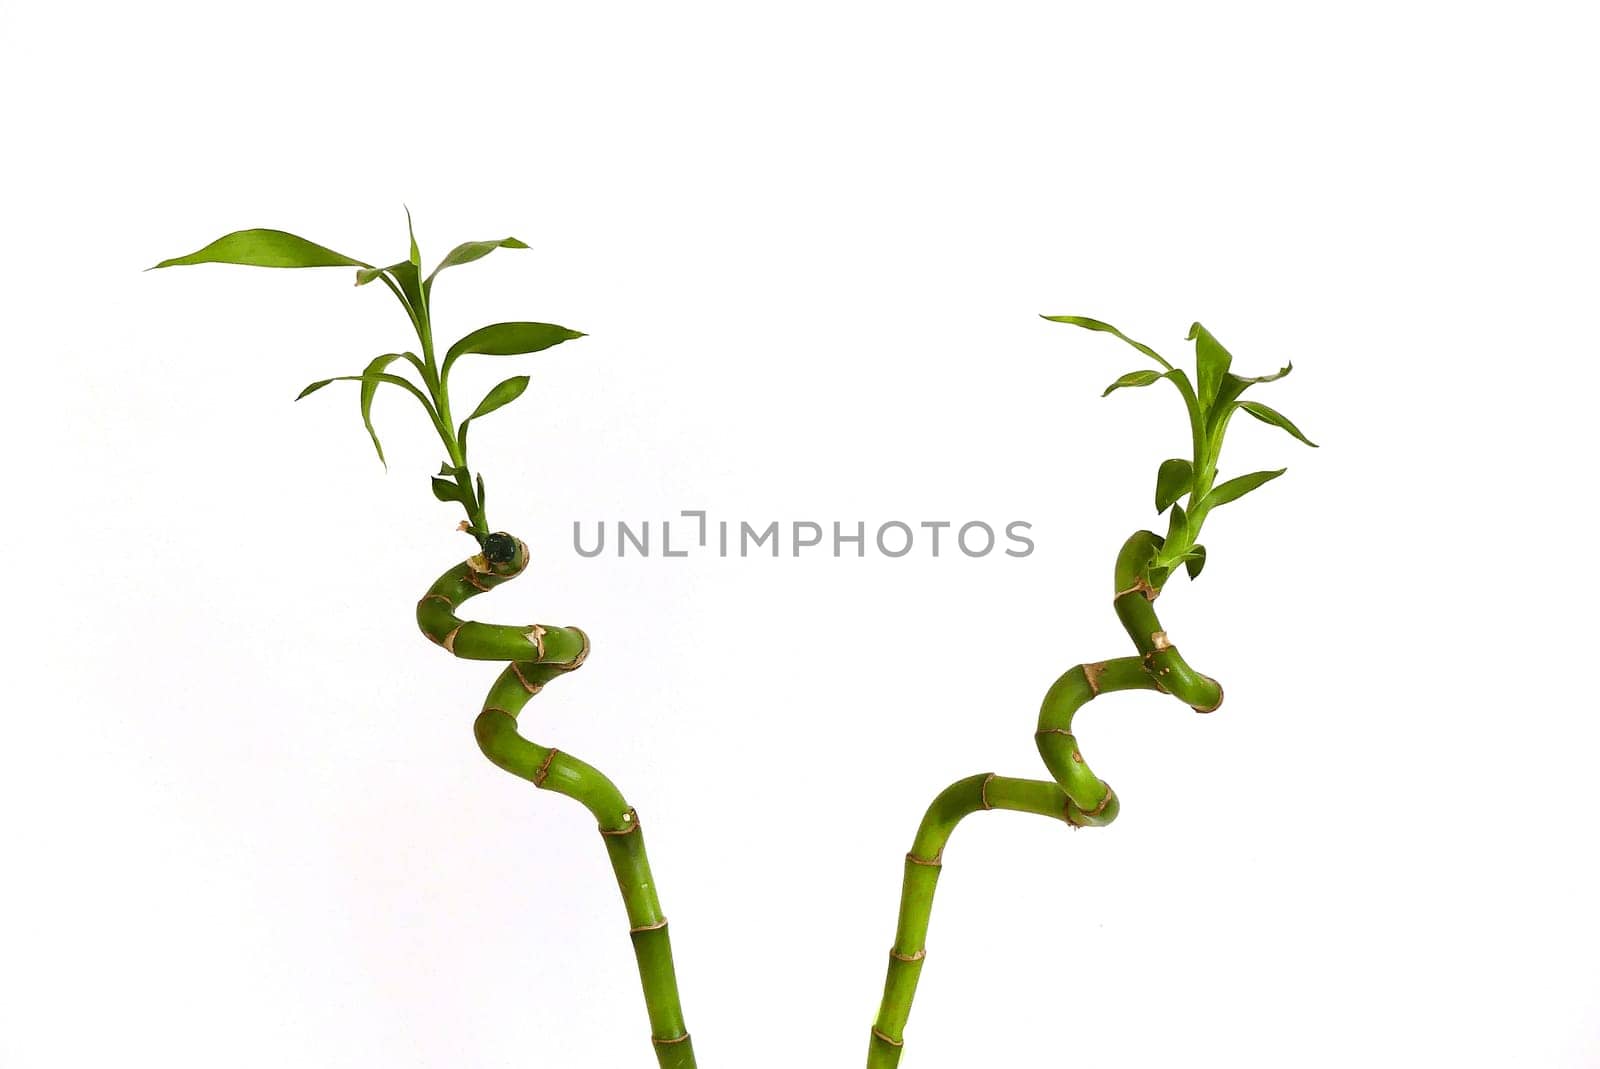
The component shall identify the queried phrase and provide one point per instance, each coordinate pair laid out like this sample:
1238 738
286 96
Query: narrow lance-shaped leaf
1234 489
1133 378
482 497
1276 418
369 389
509 339
264 248
1174 479
1211 361
1234 385
1194 561
1094 324
499 397
370 376
469 251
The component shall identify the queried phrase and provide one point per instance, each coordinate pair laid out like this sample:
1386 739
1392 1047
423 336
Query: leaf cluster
431 385
1186 488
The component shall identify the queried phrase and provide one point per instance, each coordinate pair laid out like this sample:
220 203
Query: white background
244 821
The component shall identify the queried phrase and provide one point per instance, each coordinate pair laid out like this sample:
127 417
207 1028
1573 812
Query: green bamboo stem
536 655
1074 794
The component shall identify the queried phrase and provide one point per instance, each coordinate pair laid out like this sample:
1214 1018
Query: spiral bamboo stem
536 654
1073 794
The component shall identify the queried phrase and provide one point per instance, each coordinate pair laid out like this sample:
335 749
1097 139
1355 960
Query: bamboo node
934 862
577 662
1091 672
531 688
669 1042
1066 813
918 956
449 641
630 818
1140 585
535 635
1160 641
983 792
439 598
544 769
472 580
885 1037
656 927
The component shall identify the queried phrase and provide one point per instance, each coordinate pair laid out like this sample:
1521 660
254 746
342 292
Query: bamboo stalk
1073 794
536 655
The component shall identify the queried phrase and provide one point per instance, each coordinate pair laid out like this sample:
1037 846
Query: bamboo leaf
481 497
369 389
1177 527
1174 479
501 395
264 248
1211 361
1194 561
1274 377
1234 489
469 251
446 490
1094 324
416 253
511 339
1234 385
1133 378
1276 418
508 339
375 377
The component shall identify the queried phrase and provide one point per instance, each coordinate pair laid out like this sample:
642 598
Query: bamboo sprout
1074 794
534 654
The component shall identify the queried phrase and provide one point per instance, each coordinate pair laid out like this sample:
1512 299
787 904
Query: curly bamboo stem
1074 794
536 655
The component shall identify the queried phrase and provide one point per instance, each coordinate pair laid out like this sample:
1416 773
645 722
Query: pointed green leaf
512 339
1133 378
1177 527
501 395
446 490
509 339
481 496
264 248
1234 489
369 389
372 376
1234 385
1211 361
469 251
1274 377
1276 418
1194 561
1094 324
416 253
1174 479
